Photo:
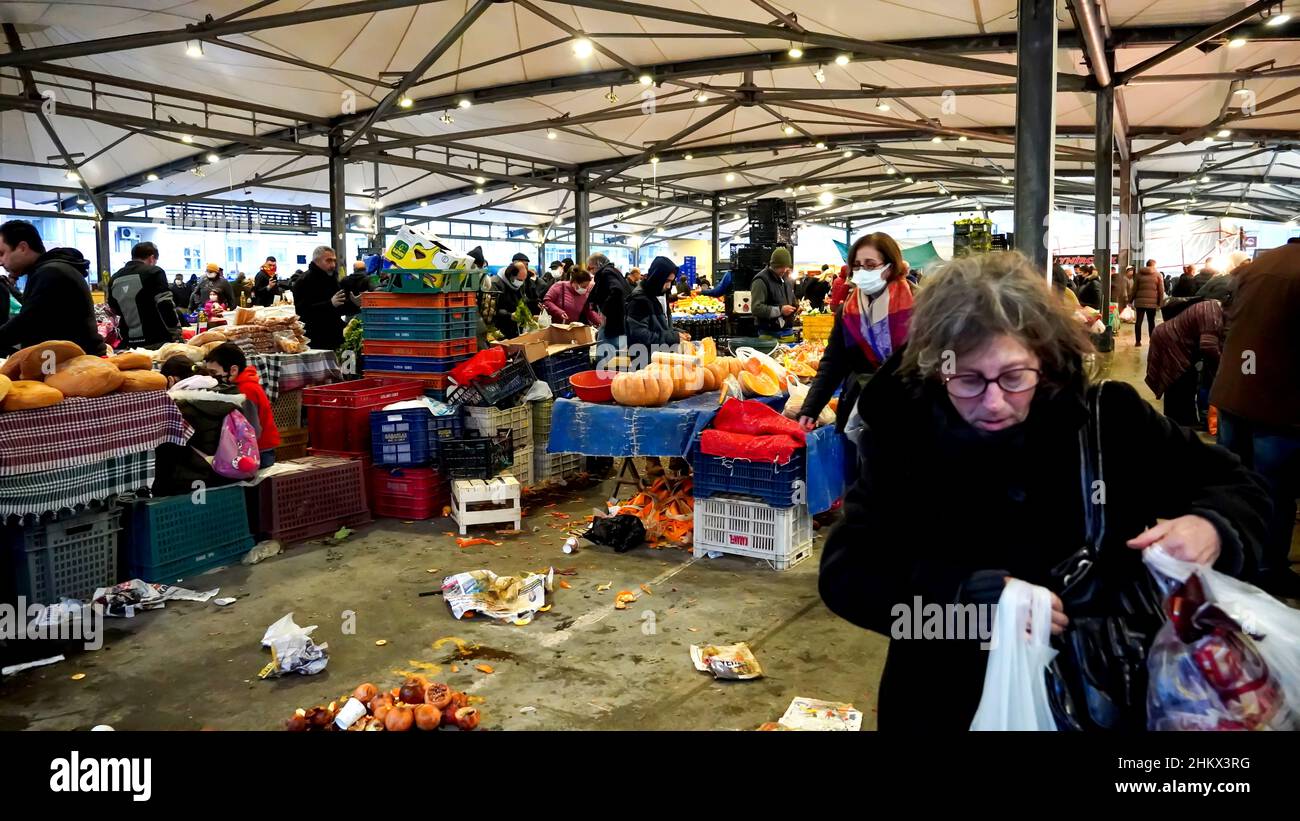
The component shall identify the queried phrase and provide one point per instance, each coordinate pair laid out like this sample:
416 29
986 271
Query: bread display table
284 372
83 451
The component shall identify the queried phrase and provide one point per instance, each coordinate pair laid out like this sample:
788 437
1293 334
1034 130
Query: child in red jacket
227 363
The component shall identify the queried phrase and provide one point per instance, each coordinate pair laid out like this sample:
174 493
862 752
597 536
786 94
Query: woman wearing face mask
870 325
648 327
1008 444
570 301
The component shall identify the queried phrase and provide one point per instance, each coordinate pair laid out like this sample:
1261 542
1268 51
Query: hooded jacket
311 299
56 305
892 548
250 385
647 322
1148 290
179 466
609 295
139 294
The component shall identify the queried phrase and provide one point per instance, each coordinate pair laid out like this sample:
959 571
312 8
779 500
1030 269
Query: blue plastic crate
556 369
414 364
179 536
420 331
69 557
776 485
400 437
418 316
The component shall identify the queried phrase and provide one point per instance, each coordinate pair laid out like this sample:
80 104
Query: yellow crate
817 327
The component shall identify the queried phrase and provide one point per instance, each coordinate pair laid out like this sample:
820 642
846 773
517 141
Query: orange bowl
593 386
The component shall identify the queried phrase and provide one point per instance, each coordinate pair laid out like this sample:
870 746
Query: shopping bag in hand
1015 680
1227 659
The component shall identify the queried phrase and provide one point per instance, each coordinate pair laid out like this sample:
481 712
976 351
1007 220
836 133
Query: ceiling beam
1193 40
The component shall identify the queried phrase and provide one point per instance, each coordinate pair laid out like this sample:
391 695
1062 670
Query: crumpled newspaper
508 598
292 650
814 714
430 404
123 600
735 662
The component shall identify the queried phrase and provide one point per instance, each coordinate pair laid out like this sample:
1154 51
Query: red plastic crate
330 494
408 493
338 415
384 347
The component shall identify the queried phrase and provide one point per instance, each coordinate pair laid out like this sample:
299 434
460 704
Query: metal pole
1126 225
1035 126
715 246
338 197
103 239
1103 183
581 220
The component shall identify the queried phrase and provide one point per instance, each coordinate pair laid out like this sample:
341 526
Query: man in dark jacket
1185 285
180 292
1204 276
508 287
648 326
319 300
57 304
139 295
1257 392
355 284
265 284
772 295
609 295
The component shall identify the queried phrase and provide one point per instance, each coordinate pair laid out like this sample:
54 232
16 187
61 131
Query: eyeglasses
972 385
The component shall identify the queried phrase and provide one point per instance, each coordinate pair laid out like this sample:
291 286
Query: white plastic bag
1274 626
1128 314
794 405
1015 681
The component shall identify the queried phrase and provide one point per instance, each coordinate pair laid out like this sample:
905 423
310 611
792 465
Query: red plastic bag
777 448
483 363
754 418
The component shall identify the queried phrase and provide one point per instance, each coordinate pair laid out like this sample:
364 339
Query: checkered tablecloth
35 494
284 372
79 432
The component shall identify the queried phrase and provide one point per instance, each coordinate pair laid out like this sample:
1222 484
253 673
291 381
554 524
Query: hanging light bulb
961 139
645 79
424 203
881 105
212 157
889 169
654 160
819 75
731 177
1224 134
803 187
550 134
194 49
151 177
795 52
1205 178
688 156
644 203
908 180
789 190
72 175
820 145
826 198
478 190
847 153
480 180
1005 180
464 102
936 139
1237 42
788 129
582 48
186 138
842 60
702 97
406 102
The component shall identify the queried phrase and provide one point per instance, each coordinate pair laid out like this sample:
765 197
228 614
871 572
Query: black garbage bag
622 532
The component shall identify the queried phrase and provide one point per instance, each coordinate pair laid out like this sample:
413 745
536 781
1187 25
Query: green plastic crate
176 537
67 558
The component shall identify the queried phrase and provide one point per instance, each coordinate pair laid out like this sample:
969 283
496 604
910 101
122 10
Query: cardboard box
541 344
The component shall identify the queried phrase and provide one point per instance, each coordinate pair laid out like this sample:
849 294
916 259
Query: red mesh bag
777 447
483 363
754 418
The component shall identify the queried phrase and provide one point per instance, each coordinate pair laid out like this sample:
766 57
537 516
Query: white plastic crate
487 421
542 411
781 536
547 466
522 469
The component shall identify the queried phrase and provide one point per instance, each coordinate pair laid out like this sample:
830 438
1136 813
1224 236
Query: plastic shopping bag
1128 314
1015 681
1227 659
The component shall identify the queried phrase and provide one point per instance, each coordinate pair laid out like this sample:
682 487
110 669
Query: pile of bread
265 333
44 374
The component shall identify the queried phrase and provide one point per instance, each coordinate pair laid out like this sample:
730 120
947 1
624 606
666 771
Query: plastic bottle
202 321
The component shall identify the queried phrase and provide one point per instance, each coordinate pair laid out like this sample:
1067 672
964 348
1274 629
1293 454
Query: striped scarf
878 326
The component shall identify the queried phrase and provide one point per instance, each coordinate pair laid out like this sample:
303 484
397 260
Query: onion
427 717
398 719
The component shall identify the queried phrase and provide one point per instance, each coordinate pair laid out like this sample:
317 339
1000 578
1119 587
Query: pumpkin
687 381
710 379
645 388
758 385
663 374
708 350
731 363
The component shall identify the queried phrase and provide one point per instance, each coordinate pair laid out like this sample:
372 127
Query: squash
710 379
687 381
645 388
708 350
674 359
731 363
758 385
663 376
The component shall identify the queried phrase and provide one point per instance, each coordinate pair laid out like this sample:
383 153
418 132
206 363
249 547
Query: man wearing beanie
772 295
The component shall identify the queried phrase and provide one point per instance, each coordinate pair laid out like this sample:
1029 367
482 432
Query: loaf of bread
5 383
214 335
143 380
29 394
38 361
86 376
132 361
190 352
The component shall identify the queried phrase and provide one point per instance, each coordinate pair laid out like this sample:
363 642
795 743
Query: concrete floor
582 665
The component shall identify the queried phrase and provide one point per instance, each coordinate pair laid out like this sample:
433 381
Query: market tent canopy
921 256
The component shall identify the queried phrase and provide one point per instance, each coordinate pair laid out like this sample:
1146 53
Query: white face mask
581 290
870 280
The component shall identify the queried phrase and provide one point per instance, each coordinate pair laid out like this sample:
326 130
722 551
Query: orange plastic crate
432 381
383 299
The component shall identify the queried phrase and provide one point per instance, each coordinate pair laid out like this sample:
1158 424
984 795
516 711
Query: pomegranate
467 718
365 692
427 717
438 694
398 719
412 691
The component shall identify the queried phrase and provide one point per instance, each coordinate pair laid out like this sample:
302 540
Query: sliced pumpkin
758 384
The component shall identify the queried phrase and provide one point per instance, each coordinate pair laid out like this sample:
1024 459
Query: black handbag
1098 680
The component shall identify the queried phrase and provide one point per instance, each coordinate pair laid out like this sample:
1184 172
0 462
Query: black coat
320 318
507 302
140 296
56 305
355 284
815 291
647 324
1201 278
843 365
1090 293
199 296
265 288
1221 288
609 295
1184 286
940 509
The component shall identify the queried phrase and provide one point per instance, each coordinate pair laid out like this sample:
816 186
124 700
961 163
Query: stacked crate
550 466
489 422
418 335
972 236
287 410
404 444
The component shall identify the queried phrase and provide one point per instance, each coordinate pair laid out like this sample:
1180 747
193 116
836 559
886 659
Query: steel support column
103 240
1035 126
1126 214
581 220
338 197
715 240
1103 182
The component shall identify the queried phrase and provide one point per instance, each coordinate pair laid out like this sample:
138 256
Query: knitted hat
780 259
213 268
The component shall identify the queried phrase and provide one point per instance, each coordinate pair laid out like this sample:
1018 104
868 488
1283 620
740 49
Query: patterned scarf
878 326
